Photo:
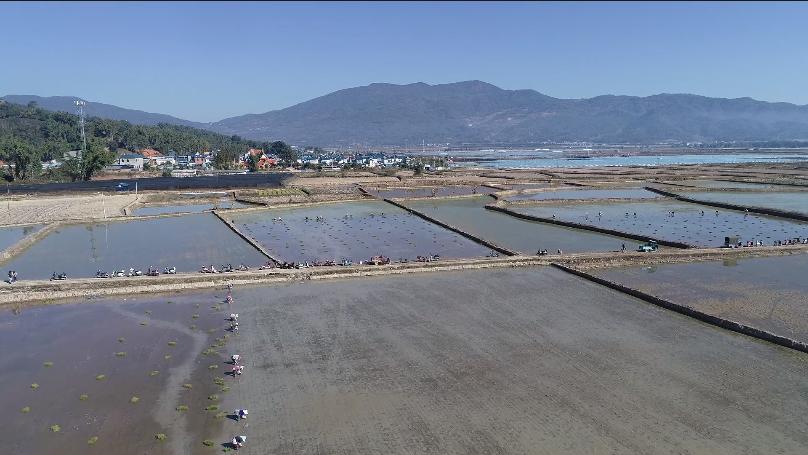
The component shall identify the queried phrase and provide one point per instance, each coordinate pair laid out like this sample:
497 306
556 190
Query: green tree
252 162
283 151
95 159
24 157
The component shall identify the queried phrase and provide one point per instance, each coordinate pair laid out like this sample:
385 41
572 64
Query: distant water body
651 160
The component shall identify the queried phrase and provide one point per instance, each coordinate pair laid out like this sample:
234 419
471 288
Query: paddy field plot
692 224
769 293
351 230
185 242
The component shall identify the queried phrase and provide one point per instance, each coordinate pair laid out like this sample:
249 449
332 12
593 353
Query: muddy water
125 342
153 209
687 224
428 191
352 230
505 361
11 235
790 201
625 193
767 293
186 242
513 233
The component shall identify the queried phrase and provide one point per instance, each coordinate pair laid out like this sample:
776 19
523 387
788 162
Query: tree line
30 135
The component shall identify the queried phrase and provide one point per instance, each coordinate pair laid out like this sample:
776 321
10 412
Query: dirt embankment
44 210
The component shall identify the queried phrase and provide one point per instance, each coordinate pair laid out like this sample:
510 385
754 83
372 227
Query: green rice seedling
34 386
212 407
92 440
218 381
224 388
134 399
160 436
182 408
167 356
55 428
208 443
193 327
213 397
26 410
120 354
121 339
144 323
170 302
100 377
47 364
154 373
212 330
148 311
188 386
84 397
172 343
195 316
209 351
213 367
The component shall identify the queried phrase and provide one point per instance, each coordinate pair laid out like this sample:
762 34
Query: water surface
651 160
693 224
617 193
514 233
352 230
187 243
154 209
418 192
789 201
768 293
11 235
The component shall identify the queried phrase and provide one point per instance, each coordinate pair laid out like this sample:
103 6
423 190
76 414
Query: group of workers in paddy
238 441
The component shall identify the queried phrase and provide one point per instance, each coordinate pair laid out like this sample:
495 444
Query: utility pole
80 108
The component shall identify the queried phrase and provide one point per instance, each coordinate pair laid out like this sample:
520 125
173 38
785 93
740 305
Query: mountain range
481 113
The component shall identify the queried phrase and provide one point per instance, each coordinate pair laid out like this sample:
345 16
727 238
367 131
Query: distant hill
481 113
93 109
477 112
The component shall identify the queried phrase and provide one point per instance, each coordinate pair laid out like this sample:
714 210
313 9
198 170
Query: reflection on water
769 293
417 192
513 233
624 193
351 230
11 235
186 243
789 201
149 209
674 221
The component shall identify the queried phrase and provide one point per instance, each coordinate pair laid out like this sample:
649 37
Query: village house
131 161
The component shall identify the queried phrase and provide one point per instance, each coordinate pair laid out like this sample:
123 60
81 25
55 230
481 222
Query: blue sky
207 61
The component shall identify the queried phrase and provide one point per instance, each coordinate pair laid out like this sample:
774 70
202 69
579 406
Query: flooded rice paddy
726 184
186 242
155 209
623 193
767 293
418 192
690 223
789 201
108 376
11 235
351 230
518 235
506 361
